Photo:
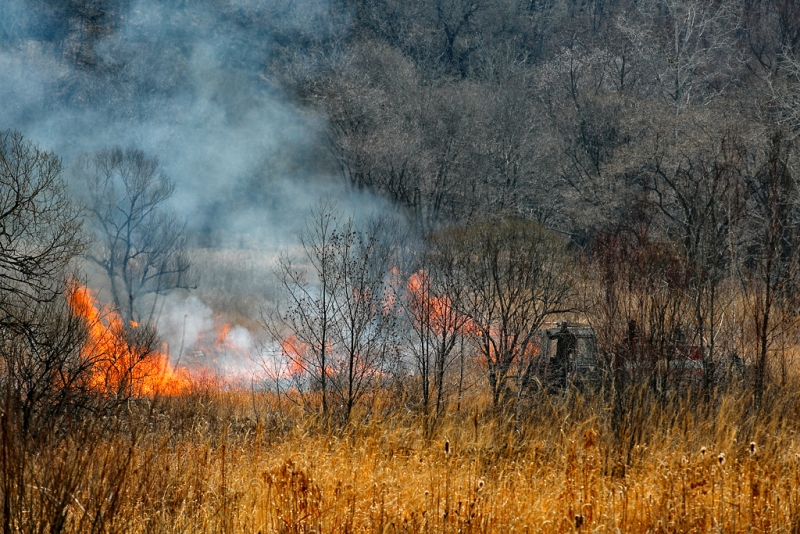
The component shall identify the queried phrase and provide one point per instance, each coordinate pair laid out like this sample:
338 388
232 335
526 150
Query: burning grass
189 455
123 360
236 462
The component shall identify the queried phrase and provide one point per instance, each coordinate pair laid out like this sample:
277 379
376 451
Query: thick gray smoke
186 81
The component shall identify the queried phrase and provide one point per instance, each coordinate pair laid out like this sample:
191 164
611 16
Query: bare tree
45 370
141 242
40 233
687 46
390 133
516 273
336 324
40 228
785 89
44 375
306 319
453 19
697 187
642 311
770 263
585 94
432 297
366 337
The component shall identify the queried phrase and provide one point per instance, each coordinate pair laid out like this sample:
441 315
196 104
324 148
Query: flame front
437 314
300 356
121 364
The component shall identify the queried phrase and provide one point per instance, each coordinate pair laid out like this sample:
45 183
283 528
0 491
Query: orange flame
435 310
298 353
120 365
438 314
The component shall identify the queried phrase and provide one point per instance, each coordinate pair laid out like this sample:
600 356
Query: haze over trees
555 110
140 242
663 132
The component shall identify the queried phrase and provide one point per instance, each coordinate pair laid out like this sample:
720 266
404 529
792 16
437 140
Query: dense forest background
583 115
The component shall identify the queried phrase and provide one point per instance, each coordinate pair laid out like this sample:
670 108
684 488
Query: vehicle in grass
569 354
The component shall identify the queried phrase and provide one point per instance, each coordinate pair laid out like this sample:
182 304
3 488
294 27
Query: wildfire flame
298 353
224 355
437 313
121 364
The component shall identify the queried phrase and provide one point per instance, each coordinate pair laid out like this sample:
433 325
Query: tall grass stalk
208 462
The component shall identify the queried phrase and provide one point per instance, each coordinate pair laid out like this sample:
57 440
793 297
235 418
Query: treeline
564 111
659 137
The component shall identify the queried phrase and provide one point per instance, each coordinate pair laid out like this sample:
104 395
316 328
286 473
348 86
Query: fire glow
224 355
299 355
438 314
119 365
434 311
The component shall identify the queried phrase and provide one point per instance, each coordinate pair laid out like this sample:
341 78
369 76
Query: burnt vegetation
591 275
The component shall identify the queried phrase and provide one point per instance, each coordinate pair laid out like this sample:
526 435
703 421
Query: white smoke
200 341
187 82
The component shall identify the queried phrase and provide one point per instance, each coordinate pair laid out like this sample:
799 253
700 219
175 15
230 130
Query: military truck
567 355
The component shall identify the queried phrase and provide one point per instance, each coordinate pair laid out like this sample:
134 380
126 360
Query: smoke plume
190 83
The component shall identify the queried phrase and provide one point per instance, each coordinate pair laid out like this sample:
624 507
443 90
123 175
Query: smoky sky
186 81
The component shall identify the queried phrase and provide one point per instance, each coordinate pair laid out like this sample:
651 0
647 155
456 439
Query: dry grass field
211 461
210 458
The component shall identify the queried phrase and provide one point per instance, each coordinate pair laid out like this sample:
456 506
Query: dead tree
141 243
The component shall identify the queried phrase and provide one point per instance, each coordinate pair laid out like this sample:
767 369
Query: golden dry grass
205 463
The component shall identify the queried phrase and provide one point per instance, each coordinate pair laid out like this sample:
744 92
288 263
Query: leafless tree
392 134
642 309
447 151
785 88
697 187
45 378
141 242
40 229
770 262
44 371
337 323
305 320
432 297
40 233
687 46
516 273
366 337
